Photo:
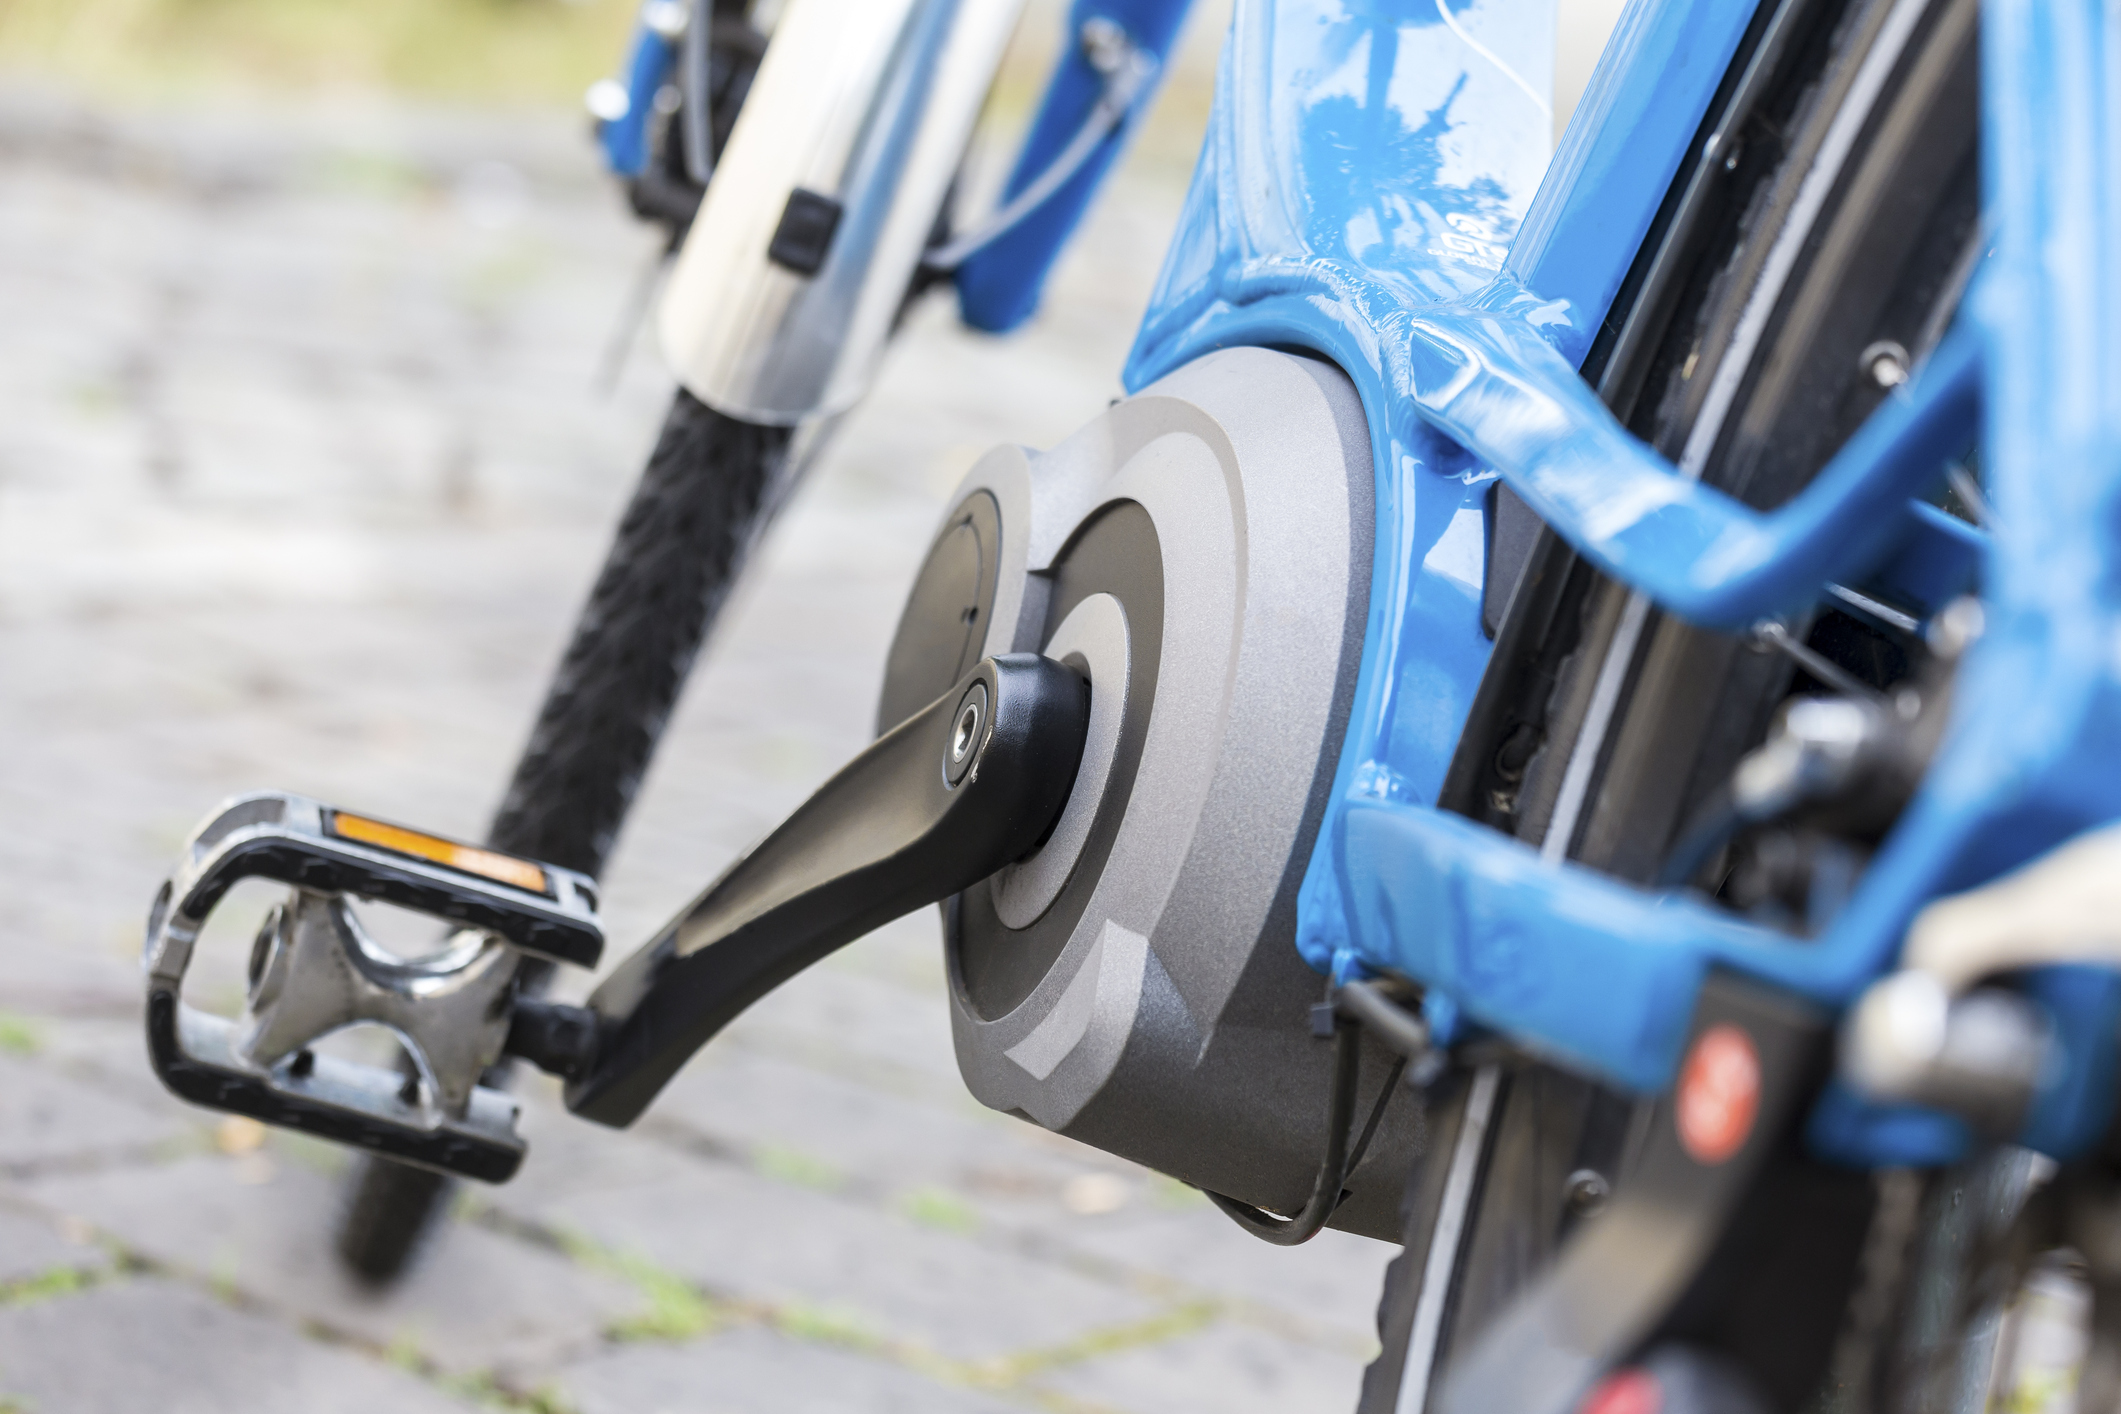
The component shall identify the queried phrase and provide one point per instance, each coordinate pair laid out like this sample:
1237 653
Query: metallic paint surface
1172 1026
998 287
625 138
1365 170
902 84
1350 143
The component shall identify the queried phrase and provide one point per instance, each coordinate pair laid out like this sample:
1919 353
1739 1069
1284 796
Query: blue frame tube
625 139
1495 386
1322 218
998 287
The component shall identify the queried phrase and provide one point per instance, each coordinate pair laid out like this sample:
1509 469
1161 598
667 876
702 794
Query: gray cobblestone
258 1224
754 1371
1327 1288
47 1118
305 481
880 1274
764 1105
32 1245
1228 1368
156 1345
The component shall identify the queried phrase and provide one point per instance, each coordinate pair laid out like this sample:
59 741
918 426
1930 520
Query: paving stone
107 1055
755 1371
47 1118
1328 1287
157 1345
756 1239
1225 1369
293 494
263 1226
858 1026
33 1245
771 1107
570 1157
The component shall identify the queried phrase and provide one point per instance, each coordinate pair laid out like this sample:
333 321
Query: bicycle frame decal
1366 168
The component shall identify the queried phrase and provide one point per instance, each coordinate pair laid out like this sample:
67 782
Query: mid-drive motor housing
1201 553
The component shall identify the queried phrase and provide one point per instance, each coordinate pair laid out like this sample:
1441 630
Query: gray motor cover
1201 552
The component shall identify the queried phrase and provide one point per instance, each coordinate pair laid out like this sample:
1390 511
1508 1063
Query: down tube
1367 164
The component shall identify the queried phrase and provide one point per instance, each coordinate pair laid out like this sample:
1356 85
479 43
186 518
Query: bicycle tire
706 494
1690 285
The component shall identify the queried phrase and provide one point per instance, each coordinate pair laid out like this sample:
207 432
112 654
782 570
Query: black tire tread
701 502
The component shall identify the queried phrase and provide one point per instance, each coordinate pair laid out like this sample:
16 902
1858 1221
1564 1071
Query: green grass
486 1392
939 1209
675 1310
19 1036
778 1161
535 51
672 1308
829 1325
46 1286
1009 1370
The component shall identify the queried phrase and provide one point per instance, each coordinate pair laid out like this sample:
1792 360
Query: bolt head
1585 1191
968 732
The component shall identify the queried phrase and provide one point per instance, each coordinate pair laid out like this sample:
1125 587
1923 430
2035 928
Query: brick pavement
301 476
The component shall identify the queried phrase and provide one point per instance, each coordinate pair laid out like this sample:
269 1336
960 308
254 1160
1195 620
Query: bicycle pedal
314 970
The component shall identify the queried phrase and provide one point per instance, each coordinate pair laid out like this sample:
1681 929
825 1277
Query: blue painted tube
625 139
1322 218
998 287
1492 383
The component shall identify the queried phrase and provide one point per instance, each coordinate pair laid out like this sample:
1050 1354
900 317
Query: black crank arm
947 797
1720 1175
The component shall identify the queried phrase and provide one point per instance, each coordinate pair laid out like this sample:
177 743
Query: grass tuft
19 1036
486 1392
793 1166
940 1209
673 1309
47 1286
829 1325
1010 1370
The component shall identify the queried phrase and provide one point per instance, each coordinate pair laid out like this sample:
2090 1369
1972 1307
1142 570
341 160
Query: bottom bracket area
1201 553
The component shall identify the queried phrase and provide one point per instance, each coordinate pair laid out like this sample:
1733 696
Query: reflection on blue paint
1367 164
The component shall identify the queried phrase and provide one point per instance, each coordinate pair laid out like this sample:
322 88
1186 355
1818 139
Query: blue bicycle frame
1375 188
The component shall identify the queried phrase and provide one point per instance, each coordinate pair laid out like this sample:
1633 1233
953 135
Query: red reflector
1624 1392
1719 1094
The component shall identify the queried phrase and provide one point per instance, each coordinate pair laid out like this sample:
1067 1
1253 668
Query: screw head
968 729
1886 363
1585 1191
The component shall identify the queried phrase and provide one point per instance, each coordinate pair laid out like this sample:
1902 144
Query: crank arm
1719 1174
969 784
314 971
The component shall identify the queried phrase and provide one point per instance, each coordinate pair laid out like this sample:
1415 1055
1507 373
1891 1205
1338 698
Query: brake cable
1127 69
1355 1004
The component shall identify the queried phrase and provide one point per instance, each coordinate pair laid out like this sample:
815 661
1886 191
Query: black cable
1377 1114
1329 1189
1391 1023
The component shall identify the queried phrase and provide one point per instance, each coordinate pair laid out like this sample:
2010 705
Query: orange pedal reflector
502 868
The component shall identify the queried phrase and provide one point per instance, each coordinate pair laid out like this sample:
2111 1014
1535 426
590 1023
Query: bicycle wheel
1809 262
702 500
